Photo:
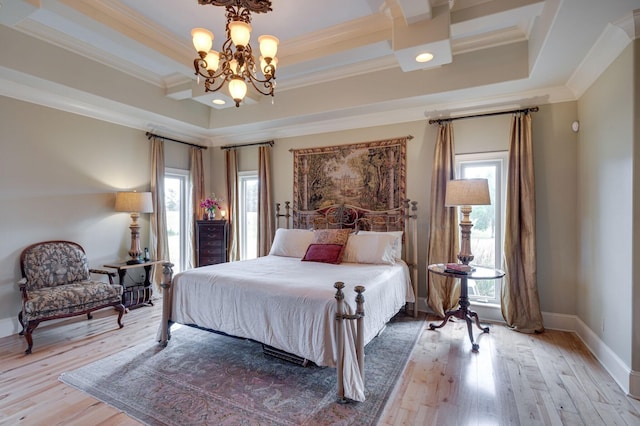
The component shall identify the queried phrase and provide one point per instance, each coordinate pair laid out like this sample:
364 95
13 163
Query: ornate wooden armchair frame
56 283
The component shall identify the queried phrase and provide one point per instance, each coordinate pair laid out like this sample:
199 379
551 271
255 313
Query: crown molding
613 40
87 50
130 23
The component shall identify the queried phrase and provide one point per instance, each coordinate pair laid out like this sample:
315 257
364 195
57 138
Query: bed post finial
359 300
286 215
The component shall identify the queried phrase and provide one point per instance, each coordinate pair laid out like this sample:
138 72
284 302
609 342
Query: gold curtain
266 214
197 193
520 301
158 239
231 161
443 292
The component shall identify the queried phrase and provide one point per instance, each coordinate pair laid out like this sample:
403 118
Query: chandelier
235 63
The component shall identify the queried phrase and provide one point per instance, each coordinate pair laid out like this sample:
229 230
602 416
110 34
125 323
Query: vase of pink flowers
210 204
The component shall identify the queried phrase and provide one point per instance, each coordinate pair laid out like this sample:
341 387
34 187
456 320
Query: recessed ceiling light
424 57
219 101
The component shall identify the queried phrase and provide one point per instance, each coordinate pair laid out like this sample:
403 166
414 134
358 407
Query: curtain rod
444 120
270 143
408 137
151 135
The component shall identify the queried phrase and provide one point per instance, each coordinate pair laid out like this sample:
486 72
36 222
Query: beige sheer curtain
520 302
443 292
158 239
266 214
231 161
197 193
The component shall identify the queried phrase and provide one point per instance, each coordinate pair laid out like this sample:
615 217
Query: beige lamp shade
134 202
467 192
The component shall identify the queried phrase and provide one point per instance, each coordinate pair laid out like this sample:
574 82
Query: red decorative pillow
324 253
328 237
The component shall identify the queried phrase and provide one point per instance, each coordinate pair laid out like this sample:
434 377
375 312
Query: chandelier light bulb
240 33
235 69
237 89
213 60
202 39
268 45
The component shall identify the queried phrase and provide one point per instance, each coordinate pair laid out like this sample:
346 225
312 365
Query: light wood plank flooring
515 379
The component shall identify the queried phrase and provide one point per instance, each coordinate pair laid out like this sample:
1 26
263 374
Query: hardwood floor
515 379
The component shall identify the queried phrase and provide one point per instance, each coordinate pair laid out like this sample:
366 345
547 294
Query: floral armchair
56 283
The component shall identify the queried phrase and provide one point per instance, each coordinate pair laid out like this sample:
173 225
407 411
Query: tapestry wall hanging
371 175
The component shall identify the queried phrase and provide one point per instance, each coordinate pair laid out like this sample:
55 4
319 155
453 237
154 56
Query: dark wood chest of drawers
211 242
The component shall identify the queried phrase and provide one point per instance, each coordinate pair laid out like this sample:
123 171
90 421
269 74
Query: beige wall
555 157
58 176
605 194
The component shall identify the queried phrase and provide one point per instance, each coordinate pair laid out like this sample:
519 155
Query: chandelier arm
268 84
209 82
200 66
269 72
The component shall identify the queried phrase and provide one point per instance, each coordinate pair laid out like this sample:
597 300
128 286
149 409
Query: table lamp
135 203
466 193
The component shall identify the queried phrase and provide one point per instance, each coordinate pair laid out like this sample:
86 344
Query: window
248 227
487 234
178 209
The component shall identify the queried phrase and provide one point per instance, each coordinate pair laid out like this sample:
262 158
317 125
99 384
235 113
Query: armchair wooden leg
21 323
121 310
31 325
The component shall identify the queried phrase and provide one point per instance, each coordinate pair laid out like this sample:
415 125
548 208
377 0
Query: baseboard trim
611 362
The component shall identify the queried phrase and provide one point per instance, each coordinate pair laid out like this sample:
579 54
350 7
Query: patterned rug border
91 380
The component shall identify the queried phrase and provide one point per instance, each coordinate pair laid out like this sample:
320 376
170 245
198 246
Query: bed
293 300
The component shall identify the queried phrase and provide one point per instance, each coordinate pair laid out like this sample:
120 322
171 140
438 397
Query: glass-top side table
463 312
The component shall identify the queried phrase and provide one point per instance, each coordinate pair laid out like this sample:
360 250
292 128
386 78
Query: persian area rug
204 378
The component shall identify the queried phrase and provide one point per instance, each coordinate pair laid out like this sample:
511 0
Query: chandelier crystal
235 63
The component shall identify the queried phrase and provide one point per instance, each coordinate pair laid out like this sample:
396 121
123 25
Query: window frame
499 159
183 176
243 178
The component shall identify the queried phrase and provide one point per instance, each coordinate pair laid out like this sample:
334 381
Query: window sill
488 311
485 304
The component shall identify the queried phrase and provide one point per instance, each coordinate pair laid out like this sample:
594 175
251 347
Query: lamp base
134 261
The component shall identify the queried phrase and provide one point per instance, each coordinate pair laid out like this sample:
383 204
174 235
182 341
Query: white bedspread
289 304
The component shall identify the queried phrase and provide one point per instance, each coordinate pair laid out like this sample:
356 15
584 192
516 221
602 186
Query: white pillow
291 242
370 248
397 245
